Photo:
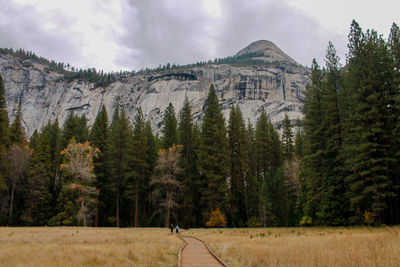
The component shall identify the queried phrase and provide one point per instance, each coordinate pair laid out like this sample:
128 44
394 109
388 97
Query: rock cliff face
46 95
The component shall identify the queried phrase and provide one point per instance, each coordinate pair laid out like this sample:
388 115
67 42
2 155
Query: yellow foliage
369 217
217 219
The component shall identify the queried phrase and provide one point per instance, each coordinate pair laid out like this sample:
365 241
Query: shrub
306 221
217 219
253 222
369 217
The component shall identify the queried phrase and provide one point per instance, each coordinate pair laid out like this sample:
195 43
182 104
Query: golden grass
304 246
79 246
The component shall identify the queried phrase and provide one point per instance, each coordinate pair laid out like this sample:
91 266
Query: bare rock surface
47 95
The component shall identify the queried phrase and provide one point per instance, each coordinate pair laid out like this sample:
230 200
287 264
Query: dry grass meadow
78 246
305 246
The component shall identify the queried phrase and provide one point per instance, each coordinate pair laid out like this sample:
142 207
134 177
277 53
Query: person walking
172 228
177 229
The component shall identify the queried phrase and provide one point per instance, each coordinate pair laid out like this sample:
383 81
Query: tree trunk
82 207
11 203
96 218
131 213
168 206
117 203
137 208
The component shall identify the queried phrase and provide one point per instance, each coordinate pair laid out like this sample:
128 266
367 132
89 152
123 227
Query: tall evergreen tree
100 138
120 149
334 205
287 138
268 158
394 45
252 183
34 141
239 165
17 131
189 176
263 154
37 197
299 140
213 156
152 148
140 163
75 126
169 130
371 76
53 131
4 134
311 174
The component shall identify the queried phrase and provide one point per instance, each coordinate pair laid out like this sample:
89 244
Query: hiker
172 228
177 229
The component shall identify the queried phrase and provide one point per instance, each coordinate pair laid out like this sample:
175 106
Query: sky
113 35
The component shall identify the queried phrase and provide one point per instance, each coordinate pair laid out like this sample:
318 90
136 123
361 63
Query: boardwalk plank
196 254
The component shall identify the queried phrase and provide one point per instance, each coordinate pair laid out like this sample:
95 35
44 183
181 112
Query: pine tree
239 165
140 163
53 131
69 128
189 196
17 131
394 204
37 197
120 149
100 138
213 155
252 183
34 141
169 130
274 199
82 134
311 174
371 78
263 153
152 147
333 207
268 158
4 134
75 126
299 140
287 138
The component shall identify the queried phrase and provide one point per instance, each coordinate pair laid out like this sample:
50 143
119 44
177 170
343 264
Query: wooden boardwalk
195 253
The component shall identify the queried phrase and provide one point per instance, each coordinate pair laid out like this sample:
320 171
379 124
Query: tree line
70 73
350 166
121 174
338 166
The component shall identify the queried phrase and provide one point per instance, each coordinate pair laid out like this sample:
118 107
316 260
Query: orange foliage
217 219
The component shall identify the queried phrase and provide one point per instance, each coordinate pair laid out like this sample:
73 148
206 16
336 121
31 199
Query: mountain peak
269 50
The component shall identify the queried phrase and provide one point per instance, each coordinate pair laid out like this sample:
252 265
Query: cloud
131 34
157 32
297 34
47 34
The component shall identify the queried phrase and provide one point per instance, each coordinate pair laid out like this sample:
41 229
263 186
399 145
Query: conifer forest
338 166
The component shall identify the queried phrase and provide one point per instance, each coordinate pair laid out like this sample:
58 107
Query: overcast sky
131 34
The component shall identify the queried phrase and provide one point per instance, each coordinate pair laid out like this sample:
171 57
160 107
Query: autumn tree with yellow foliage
79 163
217 219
